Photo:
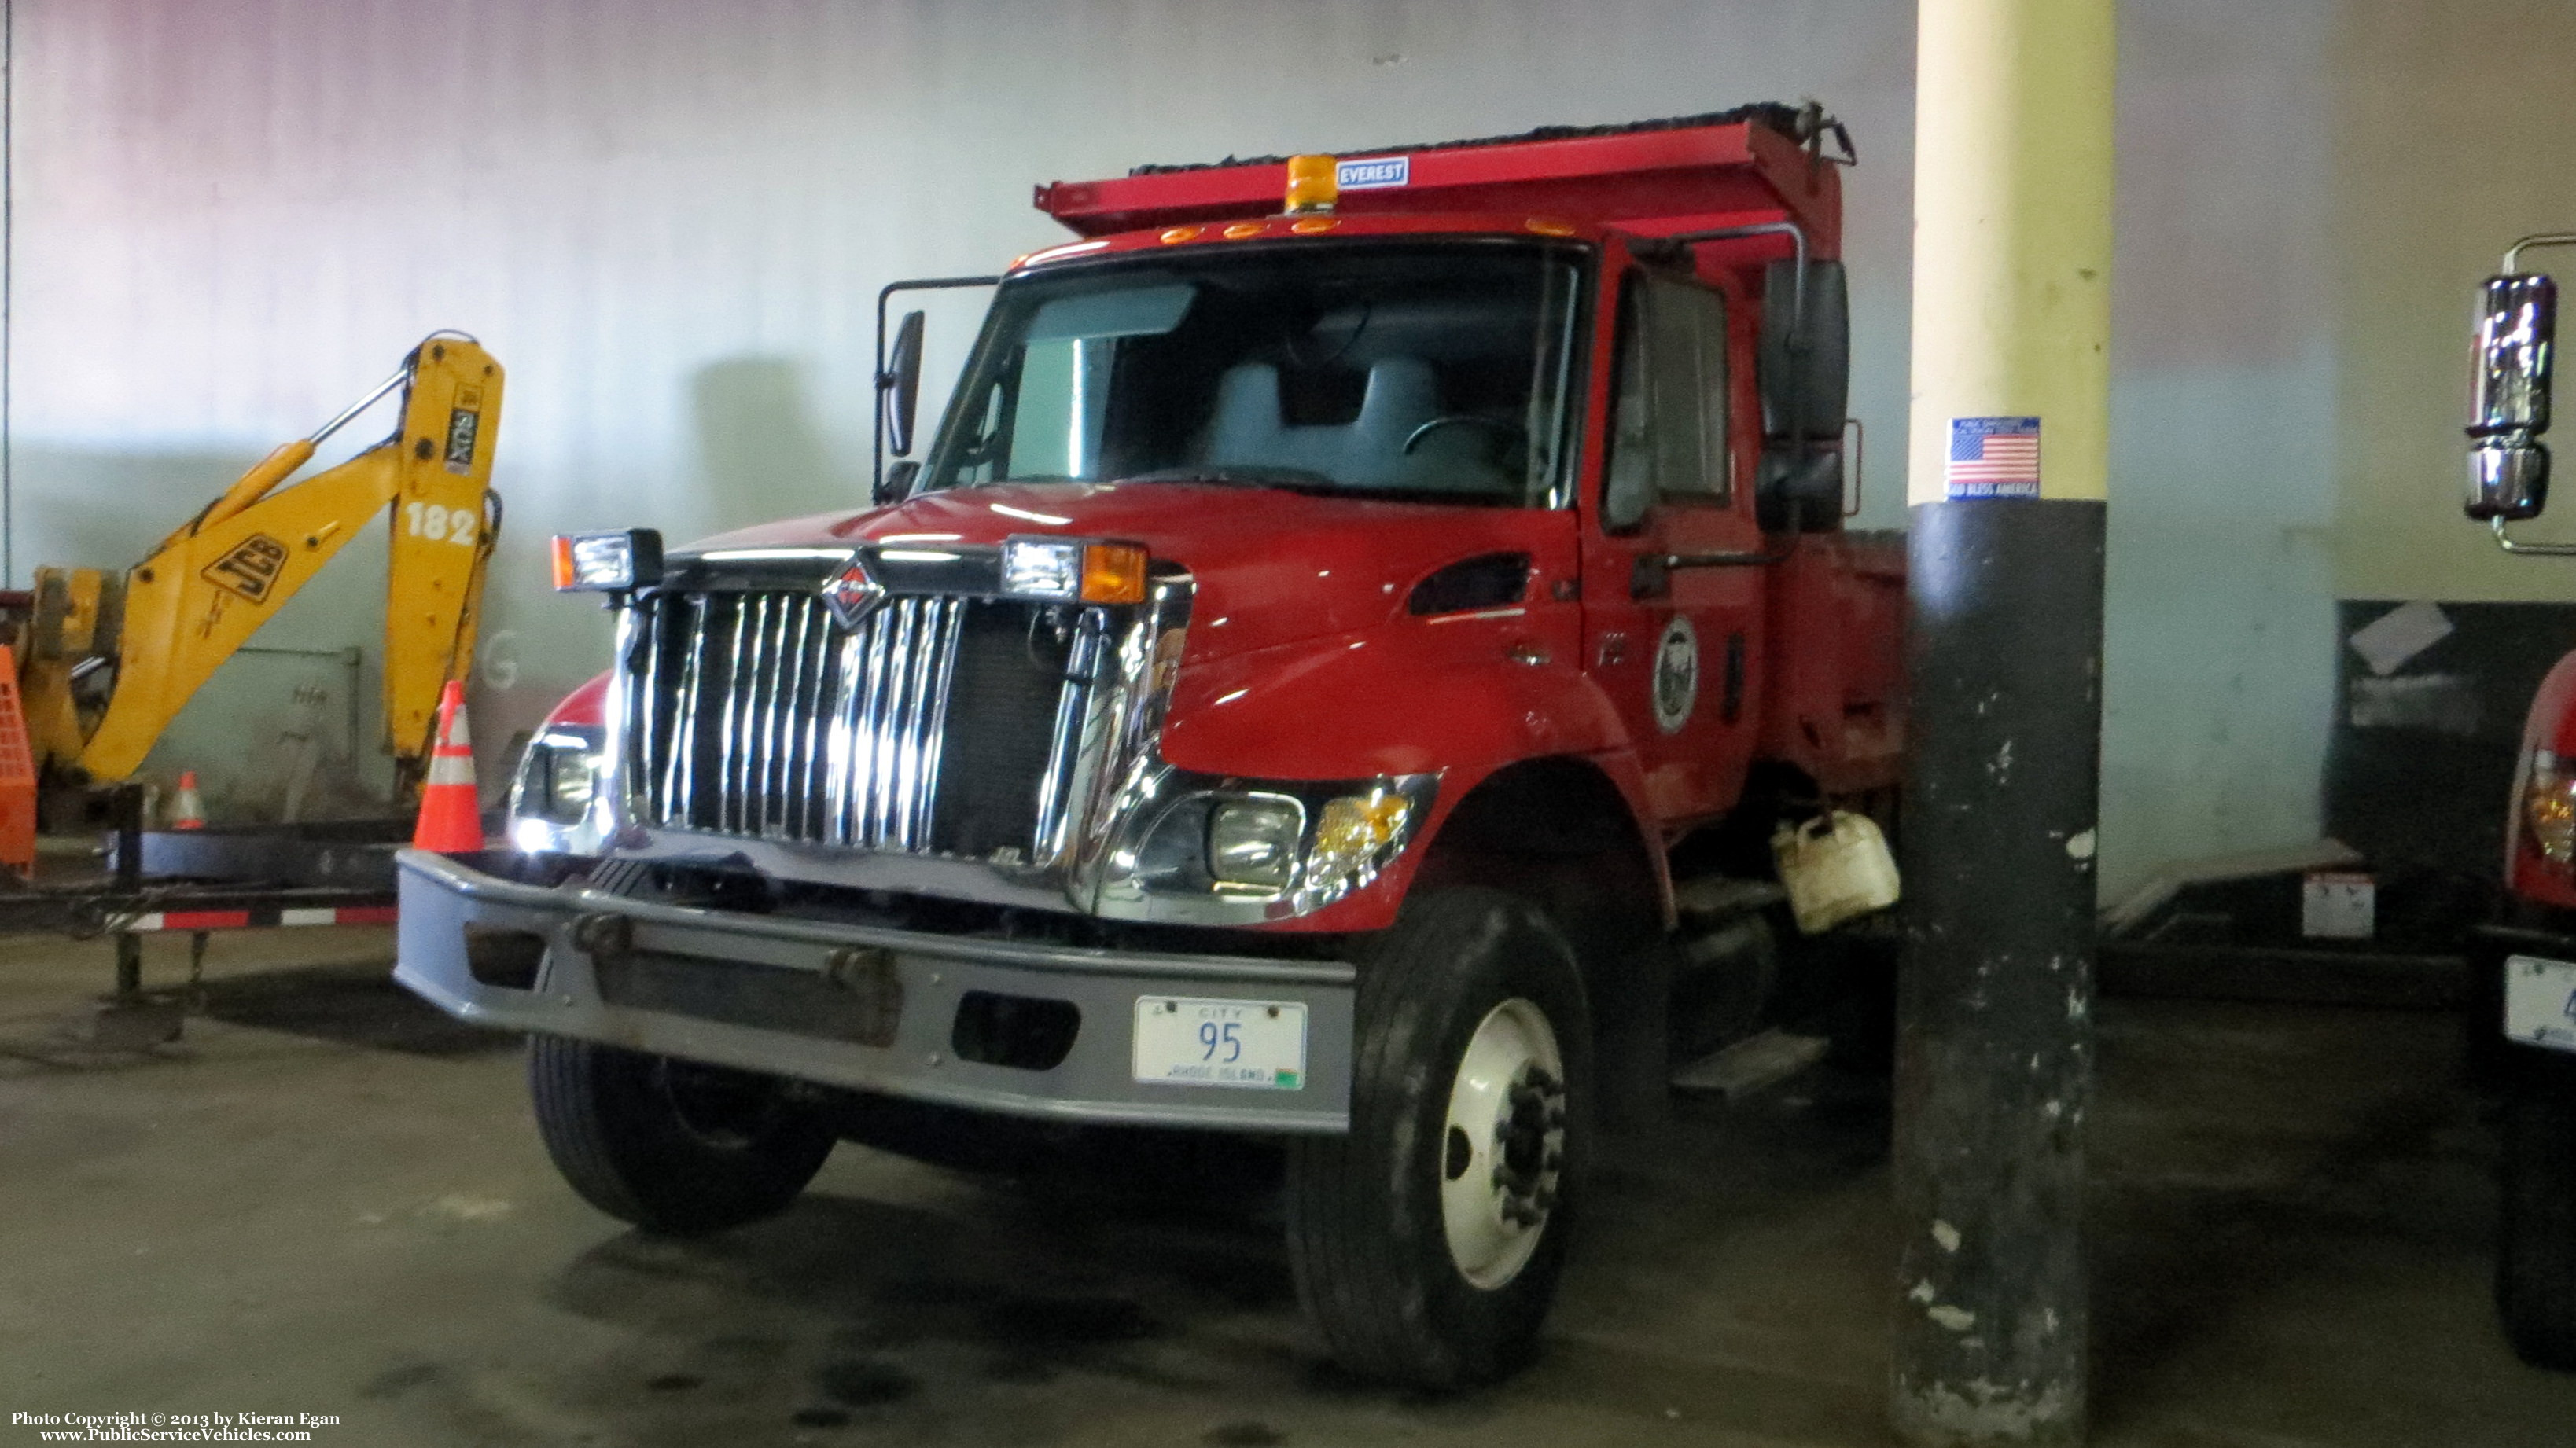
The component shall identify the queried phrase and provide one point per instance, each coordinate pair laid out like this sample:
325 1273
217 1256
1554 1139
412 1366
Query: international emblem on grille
851 592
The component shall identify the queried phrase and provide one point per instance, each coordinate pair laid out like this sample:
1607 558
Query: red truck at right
2524 965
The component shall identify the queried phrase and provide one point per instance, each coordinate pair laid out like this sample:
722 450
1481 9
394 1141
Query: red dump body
1644 181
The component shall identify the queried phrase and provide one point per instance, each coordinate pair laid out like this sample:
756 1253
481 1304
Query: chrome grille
757 714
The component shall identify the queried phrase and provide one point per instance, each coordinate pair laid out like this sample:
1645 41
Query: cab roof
1755 164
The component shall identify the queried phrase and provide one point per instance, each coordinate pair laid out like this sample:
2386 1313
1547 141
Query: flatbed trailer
325 873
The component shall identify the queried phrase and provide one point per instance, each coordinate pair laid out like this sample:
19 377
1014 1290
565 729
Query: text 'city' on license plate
1182 1041
2540 1002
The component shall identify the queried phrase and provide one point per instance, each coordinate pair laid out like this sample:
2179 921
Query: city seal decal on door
1676 675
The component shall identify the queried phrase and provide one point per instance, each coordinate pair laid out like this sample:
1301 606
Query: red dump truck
1346 651
2524 964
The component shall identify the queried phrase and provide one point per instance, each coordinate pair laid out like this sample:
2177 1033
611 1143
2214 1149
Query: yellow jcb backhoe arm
212 583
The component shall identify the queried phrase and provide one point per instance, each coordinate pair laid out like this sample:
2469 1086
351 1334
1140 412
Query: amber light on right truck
2549 808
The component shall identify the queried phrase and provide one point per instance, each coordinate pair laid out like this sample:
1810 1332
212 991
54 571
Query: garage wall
2220 621
669 220
2459 135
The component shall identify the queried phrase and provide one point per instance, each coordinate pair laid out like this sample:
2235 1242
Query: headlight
557 782
1042 568
1355 835
1285 848
2549 809
1065 570
1254 842
607 562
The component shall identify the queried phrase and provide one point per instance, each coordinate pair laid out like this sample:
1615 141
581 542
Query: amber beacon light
1312 186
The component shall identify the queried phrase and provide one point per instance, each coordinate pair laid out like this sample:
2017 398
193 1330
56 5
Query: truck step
1751 1064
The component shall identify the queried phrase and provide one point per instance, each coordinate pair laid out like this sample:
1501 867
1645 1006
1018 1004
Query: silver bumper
782 963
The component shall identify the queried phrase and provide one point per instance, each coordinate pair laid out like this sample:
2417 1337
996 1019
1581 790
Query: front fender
1366 704
585 707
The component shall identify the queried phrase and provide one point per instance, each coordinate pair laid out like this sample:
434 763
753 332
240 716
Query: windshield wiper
1239 477
1318 485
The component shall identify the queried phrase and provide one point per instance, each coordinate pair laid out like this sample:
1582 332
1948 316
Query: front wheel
672 1146
1427 1242
2536 1260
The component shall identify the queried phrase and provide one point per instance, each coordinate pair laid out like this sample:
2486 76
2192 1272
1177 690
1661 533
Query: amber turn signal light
1113 573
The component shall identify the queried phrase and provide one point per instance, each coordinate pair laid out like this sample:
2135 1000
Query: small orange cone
451 813
187 812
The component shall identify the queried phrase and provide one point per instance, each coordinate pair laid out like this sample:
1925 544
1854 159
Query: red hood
1272 566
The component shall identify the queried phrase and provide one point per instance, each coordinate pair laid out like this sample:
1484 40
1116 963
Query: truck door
1673 591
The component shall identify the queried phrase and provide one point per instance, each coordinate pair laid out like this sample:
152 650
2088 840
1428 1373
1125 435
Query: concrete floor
330 1201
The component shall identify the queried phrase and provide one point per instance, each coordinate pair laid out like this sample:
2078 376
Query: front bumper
765 993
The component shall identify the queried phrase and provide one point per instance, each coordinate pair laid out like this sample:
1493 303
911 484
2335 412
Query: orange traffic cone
187 812
451 814
17 775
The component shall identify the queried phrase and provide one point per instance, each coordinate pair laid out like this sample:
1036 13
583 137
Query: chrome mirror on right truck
2508 481
2509 397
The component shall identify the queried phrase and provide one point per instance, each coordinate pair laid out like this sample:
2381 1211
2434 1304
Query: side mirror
897 483
1805 359
900 383
2508 480
1799 488
2509 397
1805 374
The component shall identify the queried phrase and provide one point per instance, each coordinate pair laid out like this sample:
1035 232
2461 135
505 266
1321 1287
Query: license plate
2540 1002
1182 1041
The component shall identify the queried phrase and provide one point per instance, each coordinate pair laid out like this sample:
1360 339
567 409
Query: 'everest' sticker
1373 172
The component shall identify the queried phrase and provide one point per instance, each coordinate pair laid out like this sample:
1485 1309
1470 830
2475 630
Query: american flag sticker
1992 457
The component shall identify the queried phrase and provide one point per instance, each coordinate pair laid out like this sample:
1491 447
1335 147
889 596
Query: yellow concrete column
2012 233
2008 458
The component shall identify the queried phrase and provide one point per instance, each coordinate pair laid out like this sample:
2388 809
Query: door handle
1652 577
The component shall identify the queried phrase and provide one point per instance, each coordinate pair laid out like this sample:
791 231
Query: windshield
1437 371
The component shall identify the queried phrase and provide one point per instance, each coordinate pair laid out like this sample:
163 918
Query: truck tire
1427 1242
671 1146
2536 1258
